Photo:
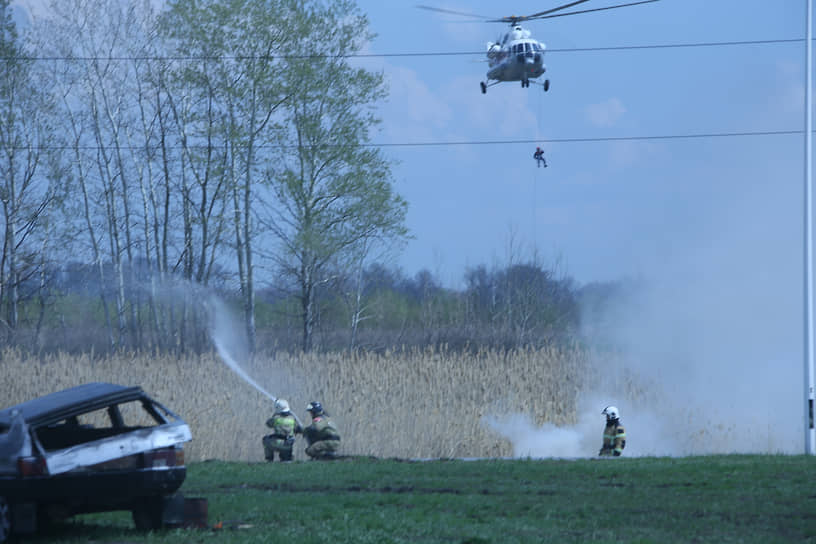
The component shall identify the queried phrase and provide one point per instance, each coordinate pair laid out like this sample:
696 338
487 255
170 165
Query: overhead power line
589 49
590 139
675 45
703 135
416 54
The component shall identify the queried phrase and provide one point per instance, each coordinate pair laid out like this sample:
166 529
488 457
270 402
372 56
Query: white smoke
583 439
531 441
704 355
700 373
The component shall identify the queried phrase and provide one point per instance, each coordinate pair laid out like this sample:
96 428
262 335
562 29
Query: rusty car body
91 448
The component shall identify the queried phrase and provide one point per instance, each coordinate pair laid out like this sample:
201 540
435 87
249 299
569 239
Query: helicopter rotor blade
452 12
553 10
593 9
547 14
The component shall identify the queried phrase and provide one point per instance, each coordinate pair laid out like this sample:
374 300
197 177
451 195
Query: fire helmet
611 412
281 406
315 408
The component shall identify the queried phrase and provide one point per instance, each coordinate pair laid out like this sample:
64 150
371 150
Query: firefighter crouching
614 436
284 427
322 436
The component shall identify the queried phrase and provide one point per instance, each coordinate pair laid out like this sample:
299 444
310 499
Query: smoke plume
703 353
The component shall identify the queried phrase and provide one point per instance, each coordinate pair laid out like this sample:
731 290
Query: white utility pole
810 431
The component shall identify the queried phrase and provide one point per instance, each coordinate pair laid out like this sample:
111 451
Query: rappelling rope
537 176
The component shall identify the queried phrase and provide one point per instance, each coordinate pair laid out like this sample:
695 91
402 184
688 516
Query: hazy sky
603 210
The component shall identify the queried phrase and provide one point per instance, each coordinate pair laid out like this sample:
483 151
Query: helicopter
517 56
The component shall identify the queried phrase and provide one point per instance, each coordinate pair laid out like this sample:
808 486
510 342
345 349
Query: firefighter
321 436
614 436
284 427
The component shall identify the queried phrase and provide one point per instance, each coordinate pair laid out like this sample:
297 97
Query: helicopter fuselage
517 57
517 67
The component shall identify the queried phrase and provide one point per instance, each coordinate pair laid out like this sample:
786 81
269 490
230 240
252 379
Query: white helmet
281 406
611 412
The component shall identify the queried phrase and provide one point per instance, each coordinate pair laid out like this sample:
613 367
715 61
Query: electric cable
448 53
595 139
590 139
191 58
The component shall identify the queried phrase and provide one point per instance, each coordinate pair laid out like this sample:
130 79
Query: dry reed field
404 404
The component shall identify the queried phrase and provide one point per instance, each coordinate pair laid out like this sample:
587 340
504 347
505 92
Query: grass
734 498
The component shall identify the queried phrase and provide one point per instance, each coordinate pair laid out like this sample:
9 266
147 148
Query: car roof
70 402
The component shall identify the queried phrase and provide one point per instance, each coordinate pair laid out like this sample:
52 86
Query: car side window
135 414
125 415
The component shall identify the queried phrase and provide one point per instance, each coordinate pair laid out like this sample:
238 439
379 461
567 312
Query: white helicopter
516 56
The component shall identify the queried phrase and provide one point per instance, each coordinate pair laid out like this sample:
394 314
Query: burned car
92 448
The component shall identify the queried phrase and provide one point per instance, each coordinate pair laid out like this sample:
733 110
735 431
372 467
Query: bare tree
237 86
116 90
97 100
356 260
26 196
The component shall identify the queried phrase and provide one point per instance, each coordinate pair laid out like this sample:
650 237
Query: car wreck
92 448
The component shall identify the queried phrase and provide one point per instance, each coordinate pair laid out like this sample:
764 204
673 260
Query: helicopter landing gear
525 83
546 85
483 85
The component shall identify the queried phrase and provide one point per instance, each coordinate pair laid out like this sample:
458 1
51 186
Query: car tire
5 520
148 514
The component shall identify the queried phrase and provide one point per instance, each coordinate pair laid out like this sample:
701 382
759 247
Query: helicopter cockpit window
527 47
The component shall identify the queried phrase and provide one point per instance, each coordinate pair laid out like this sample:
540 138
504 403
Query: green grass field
735 498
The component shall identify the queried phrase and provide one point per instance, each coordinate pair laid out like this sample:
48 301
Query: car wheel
5 520
148 514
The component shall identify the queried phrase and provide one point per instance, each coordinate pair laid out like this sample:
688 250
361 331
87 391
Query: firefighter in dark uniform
284 427
614 436
322 436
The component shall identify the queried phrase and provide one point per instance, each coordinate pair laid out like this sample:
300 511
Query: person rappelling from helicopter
539 157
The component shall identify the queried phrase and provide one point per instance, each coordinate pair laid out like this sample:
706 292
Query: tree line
154 161
170 146
507 307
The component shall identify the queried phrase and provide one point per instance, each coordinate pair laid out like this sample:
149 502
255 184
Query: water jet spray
223 334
